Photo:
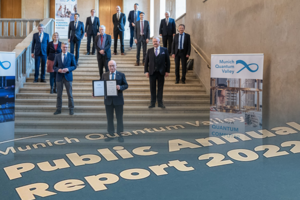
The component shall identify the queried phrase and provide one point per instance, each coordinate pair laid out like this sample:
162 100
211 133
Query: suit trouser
138 49
116 34
102 62
180 56
167 42
60 87
131 36
88 47
110 118
53 79
160 82
75 41
37 60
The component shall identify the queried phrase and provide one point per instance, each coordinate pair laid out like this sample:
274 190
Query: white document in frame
99 88
111 88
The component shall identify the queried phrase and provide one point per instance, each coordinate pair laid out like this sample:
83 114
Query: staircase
35 105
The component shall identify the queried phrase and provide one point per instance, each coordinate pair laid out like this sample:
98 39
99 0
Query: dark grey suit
141 39
119 29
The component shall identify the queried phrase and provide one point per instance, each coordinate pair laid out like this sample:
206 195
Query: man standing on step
167 30
39 52
103 44
115 103
119 21
133 17
181 50
157 67
91 29
64 64
75 35
141 36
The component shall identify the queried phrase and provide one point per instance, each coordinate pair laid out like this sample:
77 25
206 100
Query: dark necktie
142 31
101 40
181 41
76 25
40 36
65 58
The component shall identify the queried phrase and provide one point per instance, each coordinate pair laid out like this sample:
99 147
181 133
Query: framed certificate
98 88
111 88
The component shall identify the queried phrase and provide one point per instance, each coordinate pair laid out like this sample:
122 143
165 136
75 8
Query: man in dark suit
141 36
115 103
181 50
133 17
119 21
91 29
64 64
103 44
40 41
75 35
157 67
167 30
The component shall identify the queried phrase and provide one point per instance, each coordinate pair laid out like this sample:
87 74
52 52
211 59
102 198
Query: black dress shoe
161 105
183 82
35 81
88 53
55 90
93 54
71 112
51 90
176 82
43 81
152 106
57 112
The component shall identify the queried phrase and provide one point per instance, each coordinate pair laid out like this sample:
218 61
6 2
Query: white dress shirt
110 75
63 56
92 18
41 38
158 50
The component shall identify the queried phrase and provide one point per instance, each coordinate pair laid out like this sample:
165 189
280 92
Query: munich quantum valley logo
5 65
228 66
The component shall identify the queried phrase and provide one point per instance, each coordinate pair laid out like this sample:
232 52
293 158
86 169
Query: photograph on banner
236 98
7 98
64 14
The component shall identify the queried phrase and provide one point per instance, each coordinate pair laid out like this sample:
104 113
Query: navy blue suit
103 59
132 20
64 78
40 52
115 103
75 35
167 32
91 30
119 28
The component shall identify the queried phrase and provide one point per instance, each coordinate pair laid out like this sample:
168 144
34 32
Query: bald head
112 65
118 8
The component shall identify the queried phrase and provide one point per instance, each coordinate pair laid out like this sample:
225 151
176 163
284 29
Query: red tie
101 39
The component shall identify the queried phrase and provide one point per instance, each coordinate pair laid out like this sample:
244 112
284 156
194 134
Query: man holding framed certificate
115 85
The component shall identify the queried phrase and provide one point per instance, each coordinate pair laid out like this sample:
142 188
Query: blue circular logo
5 65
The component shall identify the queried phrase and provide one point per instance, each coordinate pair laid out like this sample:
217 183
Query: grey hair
167 12
102 26
41 25
157 38
65 43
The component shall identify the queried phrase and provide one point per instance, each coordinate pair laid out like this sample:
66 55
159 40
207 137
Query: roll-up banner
7 98
64 14
236 94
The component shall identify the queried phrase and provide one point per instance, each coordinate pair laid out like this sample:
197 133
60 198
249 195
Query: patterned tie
113 76
142 31
181 41
156 51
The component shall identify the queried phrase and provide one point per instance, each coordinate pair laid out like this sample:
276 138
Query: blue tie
113 76
65 58
40 36
156 51
76 25
180 41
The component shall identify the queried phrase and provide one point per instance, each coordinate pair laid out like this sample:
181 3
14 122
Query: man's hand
160 34
65 70
147 41
187 56
85 35
147 75
166 74
132 24
174 34
118 87
32 55
135 41
60 70
173 55
102 52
